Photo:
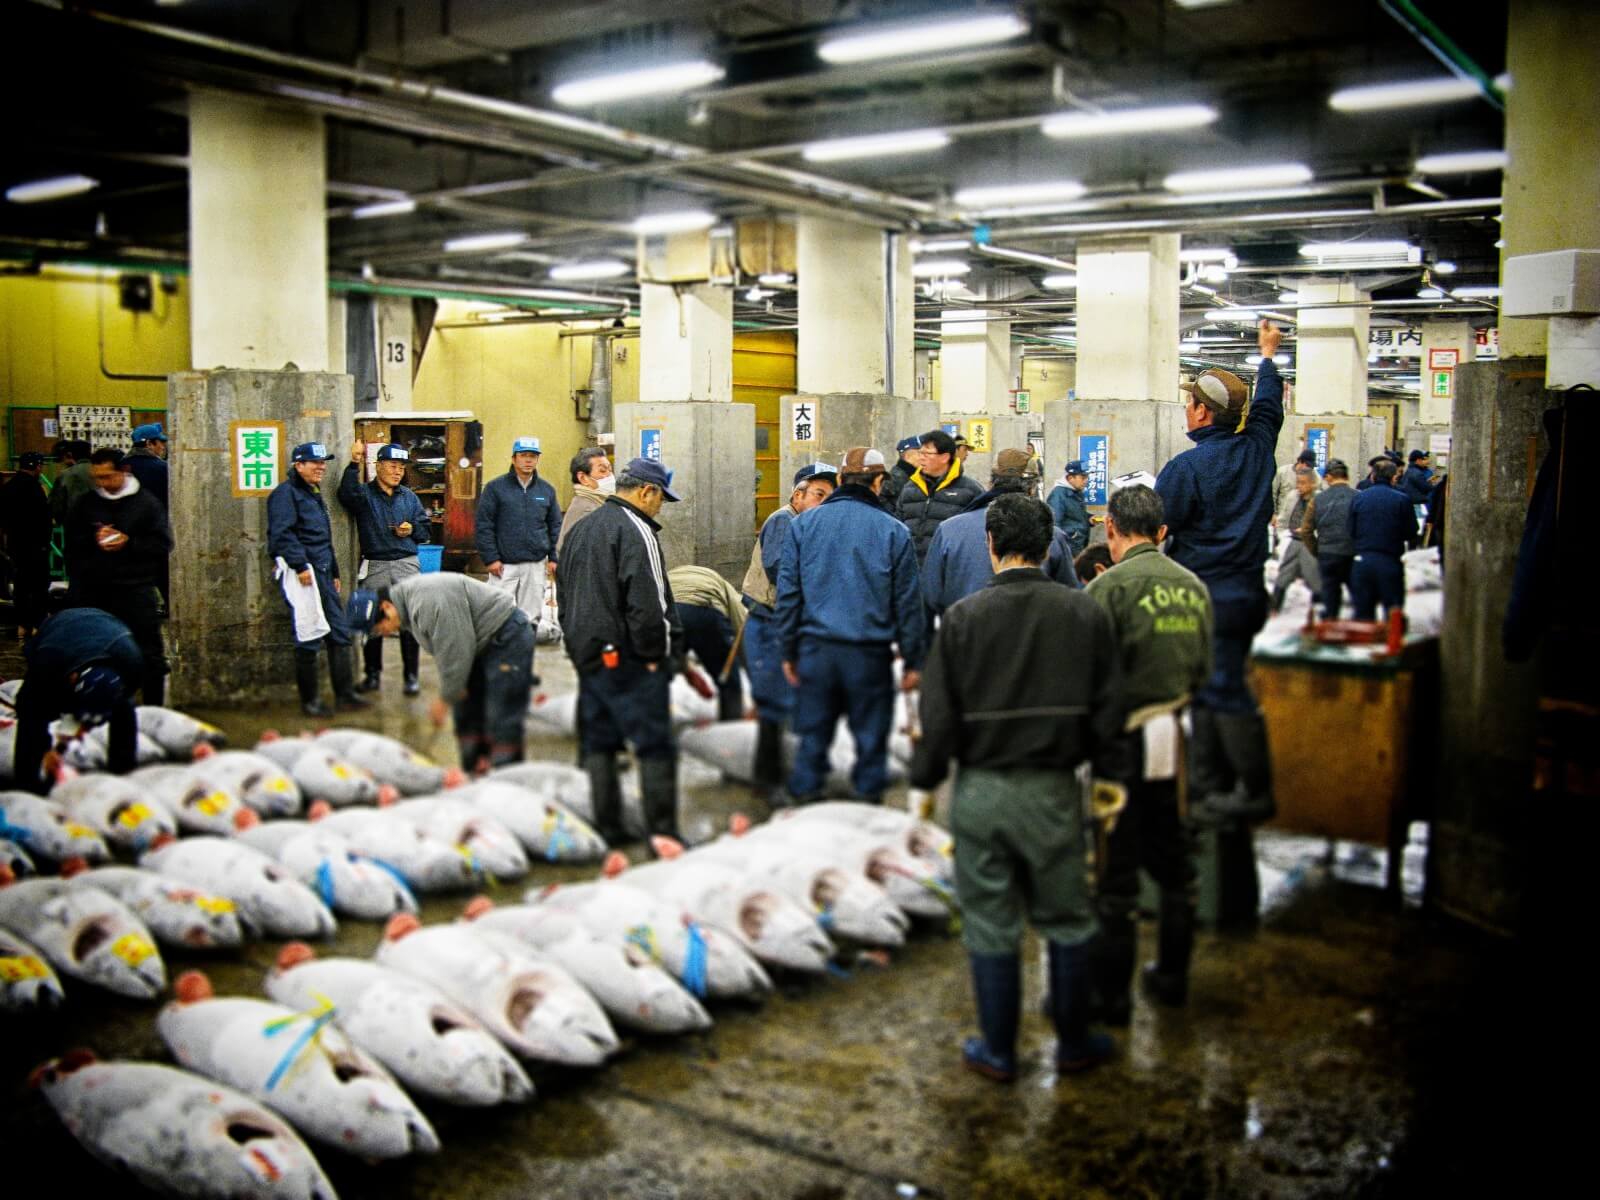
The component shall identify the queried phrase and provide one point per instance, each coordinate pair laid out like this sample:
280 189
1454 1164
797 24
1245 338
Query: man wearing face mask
592 481
621 629
391 523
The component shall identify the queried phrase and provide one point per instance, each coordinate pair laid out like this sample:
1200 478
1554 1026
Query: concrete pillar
1128 318
850 278
685 343
975 363
1425 422
258 236
838 422
395 347
1331 349
922 366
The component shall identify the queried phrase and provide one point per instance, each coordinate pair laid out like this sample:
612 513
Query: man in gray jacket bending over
482 644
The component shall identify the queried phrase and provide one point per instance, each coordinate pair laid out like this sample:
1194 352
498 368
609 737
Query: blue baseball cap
94 694
649 470
526 445
310 452
362 611
907 443
1075 467
148 433
816 470
393 453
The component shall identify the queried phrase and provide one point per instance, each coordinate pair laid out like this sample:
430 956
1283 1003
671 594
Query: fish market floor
1340 1051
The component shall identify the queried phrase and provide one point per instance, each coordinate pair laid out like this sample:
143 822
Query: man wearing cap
25 521
300 538
936 490
148 460
1381 526
117 544
83 665
763 652
592 481
909 450
1326 533
713 618
621 628
1418 483
482 644
518 526
848 595
958 558
391 524
1068 508
1218 504
1286 491
72 480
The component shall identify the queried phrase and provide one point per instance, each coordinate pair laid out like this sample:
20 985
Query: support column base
846 419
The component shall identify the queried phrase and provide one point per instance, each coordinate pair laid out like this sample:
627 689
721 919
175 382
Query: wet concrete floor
1340 1051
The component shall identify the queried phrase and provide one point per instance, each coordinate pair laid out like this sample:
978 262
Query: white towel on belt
1161 746
310 622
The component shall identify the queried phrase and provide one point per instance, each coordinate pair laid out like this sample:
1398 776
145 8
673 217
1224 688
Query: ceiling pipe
1025 256
1329 216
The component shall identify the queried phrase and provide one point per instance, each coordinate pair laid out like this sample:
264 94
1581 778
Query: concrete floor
1331 1054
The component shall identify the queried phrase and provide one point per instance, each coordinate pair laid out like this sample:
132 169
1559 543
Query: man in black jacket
621 629
936 491
25 521
1020 735
117 543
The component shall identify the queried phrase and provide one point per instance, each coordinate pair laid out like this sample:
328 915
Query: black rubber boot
1242 738
658 783
1209 769
767 771
1112 954
1166 981
997 988
344 692
1071 979
606 796
305 679
372 661
410 660
1238 885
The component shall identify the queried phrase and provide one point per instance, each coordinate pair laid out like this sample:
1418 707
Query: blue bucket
429 558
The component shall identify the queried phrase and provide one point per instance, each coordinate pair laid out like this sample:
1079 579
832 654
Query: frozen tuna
86 934
258 781
43 827
347 882
27 981
389 761
17 859
116 808
319 772
90 751
176 914
730 746
427 863
198 800
179 1134
917 838
916 886
494 848
433 1046
268 898
546 827
178 734
298 1063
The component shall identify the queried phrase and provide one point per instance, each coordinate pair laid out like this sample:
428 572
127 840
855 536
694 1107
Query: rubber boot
1112 953
305 678
344 692
605 790
1238 885
766 773
1166 981
1071 978
410 660
1244 741
1209 769
372 664
658 784
997 988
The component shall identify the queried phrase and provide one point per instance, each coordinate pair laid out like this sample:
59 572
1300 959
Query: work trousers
1376 579
763 660
1019 855
1150 834
332 609
709 635
1335 570
628 703
39 702
525 582
853 680
141 610
383 573
1295 562
1237 616
491 718
30 585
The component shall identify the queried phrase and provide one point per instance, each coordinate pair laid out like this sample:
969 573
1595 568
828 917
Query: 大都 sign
1094 451
256 451
803 421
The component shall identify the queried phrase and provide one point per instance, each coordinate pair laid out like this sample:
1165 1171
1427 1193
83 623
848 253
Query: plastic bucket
429 558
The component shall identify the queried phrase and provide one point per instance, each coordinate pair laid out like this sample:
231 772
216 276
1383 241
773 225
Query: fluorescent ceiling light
1462 163
1429 294
1207 254
757 294
384 208
1231 314
1060 283
775 278
1357 249
875 145
1444 267
931 268
600 268
486 241
687 221
940 245
1216 273
1155 119
1224 178
629 85
57 188
1254 360
79 270
1442 89
1288 297
1476 293
1019 193
923 37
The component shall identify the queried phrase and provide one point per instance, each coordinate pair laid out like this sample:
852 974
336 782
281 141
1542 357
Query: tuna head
855 907
909 883
781 933
27 981
86 934
730 969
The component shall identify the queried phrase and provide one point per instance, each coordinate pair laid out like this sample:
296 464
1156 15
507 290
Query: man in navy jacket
517 527
1381 525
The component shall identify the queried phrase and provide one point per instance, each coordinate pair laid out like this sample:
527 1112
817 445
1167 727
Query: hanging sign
803 415
1022 401
256 448
1094 451
1319 440
650 443
978 435
1388 342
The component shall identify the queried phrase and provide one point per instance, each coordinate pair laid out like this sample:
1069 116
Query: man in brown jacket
592 482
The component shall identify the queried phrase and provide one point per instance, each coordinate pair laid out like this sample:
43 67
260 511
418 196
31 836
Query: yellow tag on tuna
340 771
75 830
133 816
213 804
22 969
216 905
278 784
132 949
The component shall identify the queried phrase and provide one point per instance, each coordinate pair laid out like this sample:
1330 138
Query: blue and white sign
1094 451
953 428
650 443
1319 440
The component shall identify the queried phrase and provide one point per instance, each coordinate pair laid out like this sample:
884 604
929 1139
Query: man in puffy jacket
936 491
391 524
518 524
848 594
1068 508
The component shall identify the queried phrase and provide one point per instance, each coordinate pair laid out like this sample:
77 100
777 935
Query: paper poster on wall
1319 440
256 448
953 428
803 415
1443 358
1094 451
1438 443
978 435
650 443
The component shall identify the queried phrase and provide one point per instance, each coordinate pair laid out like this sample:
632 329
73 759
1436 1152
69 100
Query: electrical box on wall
1562 283
135 293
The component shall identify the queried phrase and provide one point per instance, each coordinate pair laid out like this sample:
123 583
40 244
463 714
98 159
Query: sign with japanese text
256 448
978 435
1443 358
1443 387
650 443
803 419
953 428
1487 342
1022 401
1094 451
1394 343
1319 440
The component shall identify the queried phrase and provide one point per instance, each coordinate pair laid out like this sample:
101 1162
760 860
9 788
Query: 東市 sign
256 451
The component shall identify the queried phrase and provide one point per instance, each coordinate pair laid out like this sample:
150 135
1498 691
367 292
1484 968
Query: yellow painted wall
1048 379
50 337
764 370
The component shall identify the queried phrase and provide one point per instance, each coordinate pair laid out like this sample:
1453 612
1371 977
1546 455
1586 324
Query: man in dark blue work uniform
848 594
1218 503
518 524
1381 524
148 461
300 537
1066 501
85 664
391 523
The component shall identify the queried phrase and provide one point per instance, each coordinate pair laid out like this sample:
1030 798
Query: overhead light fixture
1060 283
1462 163
876 145
1288 297
1154 119
57 188
1500 245
1209 254
1358 249
1254 360
940 245
665 80
384 208
775 278
1018 193
1216 273
1443 89
1226 178
600 268
936 268
1223 315
1429 293
756 295
486 241
922 37
684 221
1444 267
1486 292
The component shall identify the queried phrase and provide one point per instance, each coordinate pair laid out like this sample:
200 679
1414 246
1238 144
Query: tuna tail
293 954
205 750
73 866
455 777
192 987
665 847
399 926
267 735
318 810
739 824
615 864
476 907
387 794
